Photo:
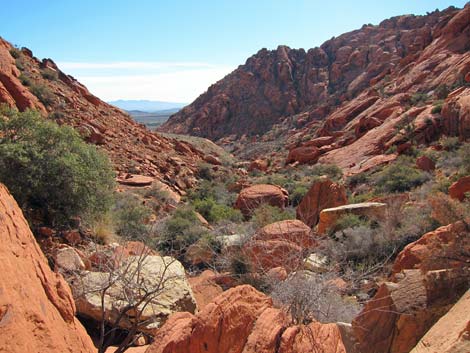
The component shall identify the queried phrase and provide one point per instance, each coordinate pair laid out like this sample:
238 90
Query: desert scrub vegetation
51 171
311 297
49 74
400 176
43 93
267 214
129 216
178 231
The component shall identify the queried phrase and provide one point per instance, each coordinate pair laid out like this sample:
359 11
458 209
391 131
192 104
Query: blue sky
173 50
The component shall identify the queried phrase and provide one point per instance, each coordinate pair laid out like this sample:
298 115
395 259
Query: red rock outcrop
204 288
254 196
303 154
458 189
37 311
445 247
264 255
451 334
355 91
394 321
322 194
413 50
291 230
242 320
425 163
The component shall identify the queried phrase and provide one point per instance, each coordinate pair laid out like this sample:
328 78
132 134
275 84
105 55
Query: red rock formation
283 82
445 247
37 312
356 90
253 196
303 154
458 189
264 255
451 334
291 230
322 194
205 290
242 320
425 163
394 321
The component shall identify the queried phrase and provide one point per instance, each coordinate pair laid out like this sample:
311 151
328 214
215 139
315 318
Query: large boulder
400 313
451 334
303 154
254 196
264 255
243 320
458 189
370 210
37 311
204 288
291 230
445 247
322 194
162 279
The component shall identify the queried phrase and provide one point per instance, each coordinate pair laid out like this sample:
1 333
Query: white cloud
163 81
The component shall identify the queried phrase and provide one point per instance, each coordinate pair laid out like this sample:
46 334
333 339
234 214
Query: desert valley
310 201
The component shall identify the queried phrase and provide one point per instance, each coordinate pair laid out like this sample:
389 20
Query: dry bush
446 210
308 297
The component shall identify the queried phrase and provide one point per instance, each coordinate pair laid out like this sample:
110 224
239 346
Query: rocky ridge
131 147
357 92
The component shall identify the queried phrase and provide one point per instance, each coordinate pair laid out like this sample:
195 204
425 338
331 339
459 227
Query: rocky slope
355 92
131 147
37 311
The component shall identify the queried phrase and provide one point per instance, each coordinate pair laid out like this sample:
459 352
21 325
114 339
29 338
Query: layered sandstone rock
163 278
396 318
370 210
291 230
242 320
204 288
37 311
254 196
322 194
451 334
445 247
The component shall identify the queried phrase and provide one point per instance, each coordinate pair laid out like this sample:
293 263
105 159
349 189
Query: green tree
51 171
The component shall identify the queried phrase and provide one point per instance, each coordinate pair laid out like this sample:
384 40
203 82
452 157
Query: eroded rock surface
37 311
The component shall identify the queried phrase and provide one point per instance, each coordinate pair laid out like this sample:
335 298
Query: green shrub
25 80
179 231
15 53
450 143
50 74
205 171
464 154
442 91
297 195
348 221
43 93
418 98
266 214
400 177
51 170
214 212
437 108
129 215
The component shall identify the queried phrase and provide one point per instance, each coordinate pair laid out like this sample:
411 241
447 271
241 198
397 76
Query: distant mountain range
147 105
